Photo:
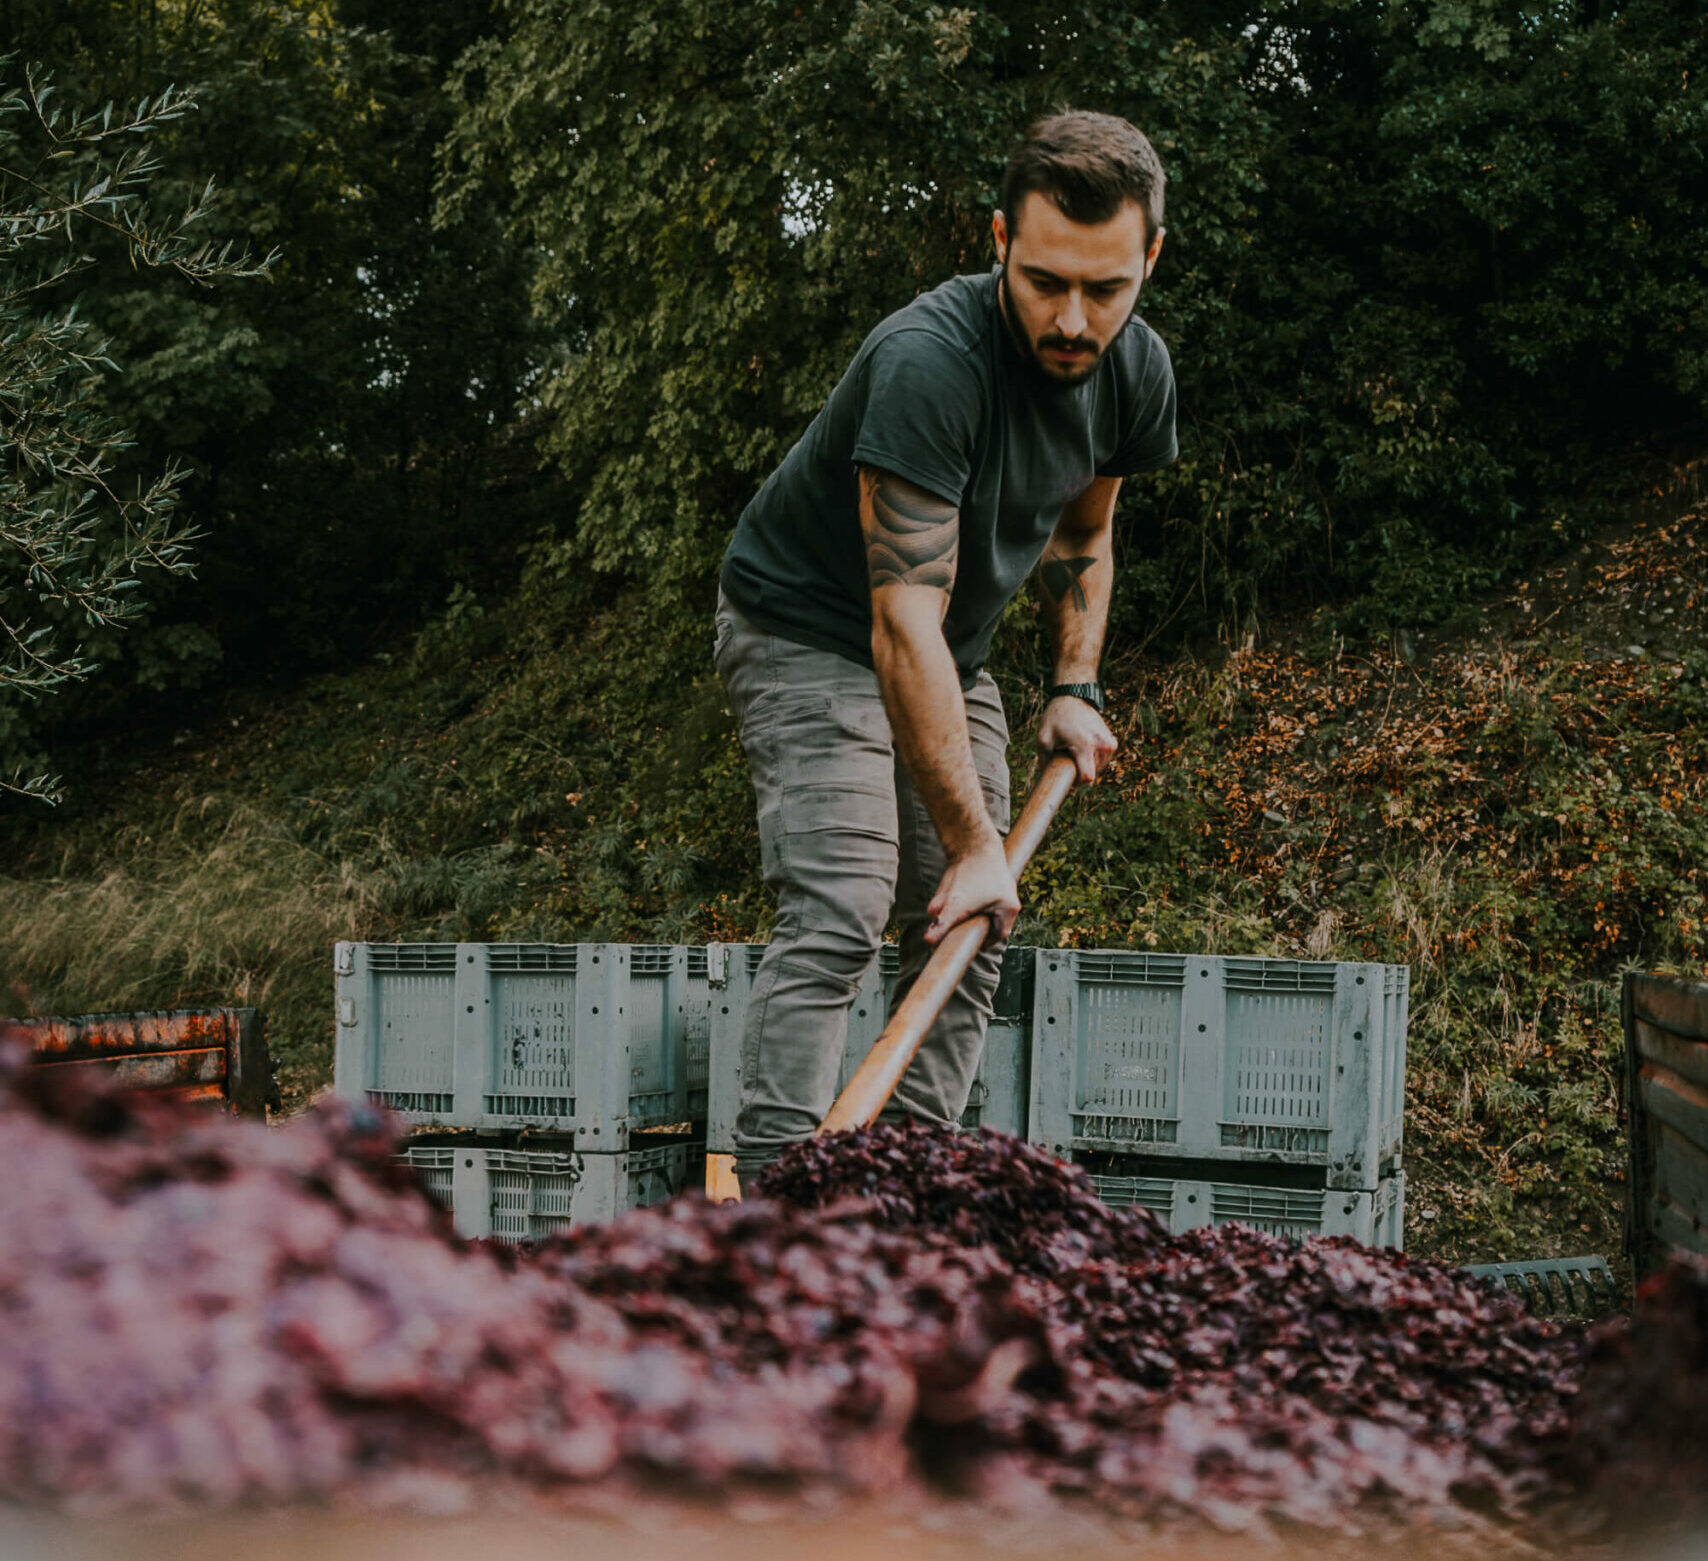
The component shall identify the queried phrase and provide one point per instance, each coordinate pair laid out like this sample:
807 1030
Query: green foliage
75 540
1434 272
1428 262
348 435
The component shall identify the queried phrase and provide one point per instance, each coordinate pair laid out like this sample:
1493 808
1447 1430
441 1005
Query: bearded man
981 432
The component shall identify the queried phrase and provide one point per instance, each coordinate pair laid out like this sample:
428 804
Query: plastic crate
1000 1095
1375 1216
1002 1089
1220 1058
695 1009
1560 1286
530 1194
584 1039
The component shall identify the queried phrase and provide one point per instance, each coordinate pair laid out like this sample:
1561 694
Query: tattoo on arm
912 537
1060 579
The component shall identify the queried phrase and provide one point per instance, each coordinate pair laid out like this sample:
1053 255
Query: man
980 432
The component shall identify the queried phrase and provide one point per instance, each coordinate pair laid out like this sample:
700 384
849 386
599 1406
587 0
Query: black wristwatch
1091 693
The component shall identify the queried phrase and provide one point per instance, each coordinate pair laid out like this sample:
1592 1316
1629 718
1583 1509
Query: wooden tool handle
870 1089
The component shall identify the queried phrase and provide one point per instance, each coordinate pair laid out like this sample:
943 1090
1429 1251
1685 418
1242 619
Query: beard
1033 352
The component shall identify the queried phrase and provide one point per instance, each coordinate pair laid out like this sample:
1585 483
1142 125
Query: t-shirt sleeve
1148 441
923 410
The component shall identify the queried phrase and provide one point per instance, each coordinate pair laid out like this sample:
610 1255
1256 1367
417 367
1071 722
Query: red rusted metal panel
1666 1095
190 1053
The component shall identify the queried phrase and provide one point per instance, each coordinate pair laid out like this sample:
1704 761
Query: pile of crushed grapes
204 1311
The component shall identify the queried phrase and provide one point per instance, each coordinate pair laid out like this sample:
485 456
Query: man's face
1067 287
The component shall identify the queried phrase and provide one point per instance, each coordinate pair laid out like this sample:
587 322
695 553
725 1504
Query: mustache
1067 344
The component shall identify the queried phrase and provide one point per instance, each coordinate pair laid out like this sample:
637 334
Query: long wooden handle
875 1081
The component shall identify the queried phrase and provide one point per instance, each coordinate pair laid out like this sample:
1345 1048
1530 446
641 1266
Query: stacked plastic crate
1214 1089
548 1082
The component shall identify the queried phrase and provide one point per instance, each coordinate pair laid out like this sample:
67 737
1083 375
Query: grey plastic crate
695 1005
584 1039
1002 1090
1396 1015
1000 1094
1558 1286
530 1194
1375 1216
1211 1057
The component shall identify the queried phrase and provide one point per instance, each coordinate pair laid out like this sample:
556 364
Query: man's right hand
975 883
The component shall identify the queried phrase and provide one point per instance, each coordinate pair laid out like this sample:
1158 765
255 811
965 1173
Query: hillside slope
1516 810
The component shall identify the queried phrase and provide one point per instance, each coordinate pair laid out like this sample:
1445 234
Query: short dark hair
1089 165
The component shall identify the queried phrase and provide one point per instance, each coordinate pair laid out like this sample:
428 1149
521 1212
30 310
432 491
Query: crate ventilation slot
424 1158
531 959
1126 1130
1147 1192
650 959
1266 1206
1278 975
530 1105
697 968
1278 1139
413 958
423 1103
1132 969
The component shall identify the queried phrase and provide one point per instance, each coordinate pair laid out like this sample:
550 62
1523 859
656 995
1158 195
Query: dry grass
222 905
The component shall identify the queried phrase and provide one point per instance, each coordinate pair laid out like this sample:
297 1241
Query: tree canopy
1434 288
1429 261
74 540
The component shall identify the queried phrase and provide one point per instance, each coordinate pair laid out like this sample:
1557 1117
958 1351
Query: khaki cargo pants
844 840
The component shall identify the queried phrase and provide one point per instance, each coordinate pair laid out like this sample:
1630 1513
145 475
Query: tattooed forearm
1061 582
912 537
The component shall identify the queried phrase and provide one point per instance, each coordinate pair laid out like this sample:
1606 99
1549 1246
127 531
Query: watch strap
1091 693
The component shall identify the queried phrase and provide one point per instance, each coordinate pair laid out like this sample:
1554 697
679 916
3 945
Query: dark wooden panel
1680 1181
1687 1058
1671 1003
1672 1231
1675 1103
1666 1098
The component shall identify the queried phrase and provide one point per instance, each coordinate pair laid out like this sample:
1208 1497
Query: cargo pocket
836 764
838 851
813 808
831 740
827 833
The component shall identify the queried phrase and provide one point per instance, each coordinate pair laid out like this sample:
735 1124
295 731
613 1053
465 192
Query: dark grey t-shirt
939 394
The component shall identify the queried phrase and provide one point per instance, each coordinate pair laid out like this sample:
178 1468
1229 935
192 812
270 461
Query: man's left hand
1071 726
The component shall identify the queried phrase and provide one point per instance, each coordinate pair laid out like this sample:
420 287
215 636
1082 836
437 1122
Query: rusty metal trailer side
1666 1093
190 1053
